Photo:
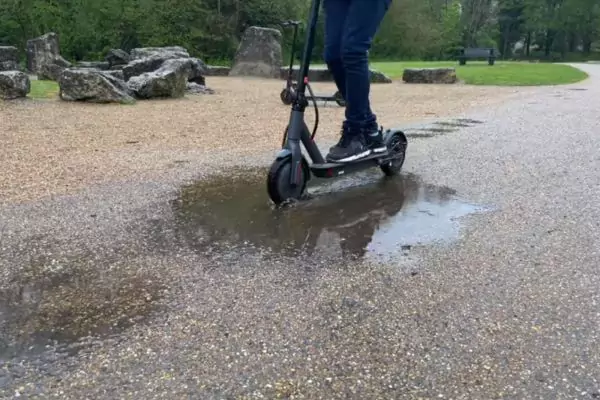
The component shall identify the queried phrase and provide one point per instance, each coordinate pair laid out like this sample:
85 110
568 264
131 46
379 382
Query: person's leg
335 21
362 22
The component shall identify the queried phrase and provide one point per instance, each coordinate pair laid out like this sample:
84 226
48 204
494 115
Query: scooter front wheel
278 182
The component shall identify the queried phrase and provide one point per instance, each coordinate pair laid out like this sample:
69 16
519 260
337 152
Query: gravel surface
509 310
54 147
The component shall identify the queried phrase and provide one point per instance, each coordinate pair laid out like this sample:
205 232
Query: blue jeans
350 26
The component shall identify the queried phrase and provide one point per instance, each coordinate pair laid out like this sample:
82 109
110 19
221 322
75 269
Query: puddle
360 216
469 121
58 302
440 128
453 124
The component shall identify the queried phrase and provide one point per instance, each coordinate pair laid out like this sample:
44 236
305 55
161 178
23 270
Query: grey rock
198 70
93 86
160 52
116 73
217 70
429 75
101 65
117 57
9 58
259 54
170 80
50 72
14 85
322 74
44 50
60 61
194 88
379 77
142 66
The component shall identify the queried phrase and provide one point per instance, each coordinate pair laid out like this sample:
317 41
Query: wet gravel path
506 310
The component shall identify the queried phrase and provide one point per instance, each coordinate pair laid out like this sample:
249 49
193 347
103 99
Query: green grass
500 74
43 89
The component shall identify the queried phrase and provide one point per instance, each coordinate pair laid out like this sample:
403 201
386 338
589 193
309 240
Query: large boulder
44 50
197 68
116 57
429 75
170 80
93 86
165 53
259 54
9 58
322 74
14 85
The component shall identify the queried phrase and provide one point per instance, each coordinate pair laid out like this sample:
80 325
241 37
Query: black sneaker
374 141
349 148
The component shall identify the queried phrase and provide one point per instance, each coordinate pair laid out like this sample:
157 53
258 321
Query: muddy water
362 216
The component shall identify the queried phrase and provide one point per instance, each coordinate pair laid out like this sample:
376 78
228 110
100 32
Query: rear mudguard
389 134
286 153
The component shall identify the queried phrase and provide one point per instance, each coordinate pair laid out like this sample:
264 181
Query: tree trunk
528 44
548 42
587 45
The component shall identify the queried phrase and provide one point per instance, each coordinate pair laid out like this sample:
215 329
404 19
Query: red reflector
306 80
330 172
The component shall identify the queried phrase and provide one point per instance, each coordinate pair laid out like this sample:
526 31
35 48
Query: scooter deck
331 170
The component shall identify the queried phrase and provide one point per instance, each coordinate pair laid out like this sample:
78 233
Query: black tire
396 144
286 96
339 99
278 183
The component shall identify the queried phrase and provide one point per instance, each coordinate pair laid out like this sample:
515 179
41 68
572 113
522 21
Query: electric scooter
290 171
291 87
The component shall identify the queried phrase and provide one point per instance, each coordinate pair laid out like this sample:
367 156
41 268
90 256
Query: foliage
211 29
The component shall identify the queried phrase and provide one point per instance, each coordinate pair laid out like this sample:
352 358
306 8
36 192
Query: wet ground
55 301
473 275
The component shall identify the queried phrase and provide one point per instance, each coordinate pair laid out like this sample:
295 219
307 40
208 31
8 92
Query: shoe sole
381 149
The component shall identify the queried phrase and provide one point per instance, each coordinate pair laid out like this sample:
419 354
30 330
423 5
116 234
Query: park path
505 308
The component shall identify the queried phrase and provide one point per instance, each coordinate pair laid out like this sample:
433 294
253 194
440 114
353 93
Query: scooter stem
308 47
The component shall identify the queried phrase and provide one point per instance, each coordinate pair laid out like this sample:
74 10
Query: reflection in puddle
359 216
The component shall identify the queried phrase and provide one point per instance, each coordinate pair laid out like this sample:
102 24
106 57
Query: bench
476 53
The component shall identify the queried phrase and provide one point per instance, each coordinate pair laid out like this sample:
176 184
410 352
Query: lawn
500 74
43 89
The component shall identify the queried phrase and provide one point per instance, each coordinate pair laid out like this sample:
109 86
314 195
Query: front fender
285 153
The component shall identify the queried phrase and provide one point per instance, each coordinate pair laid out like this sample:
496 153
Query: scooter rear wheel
278 182
396 144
